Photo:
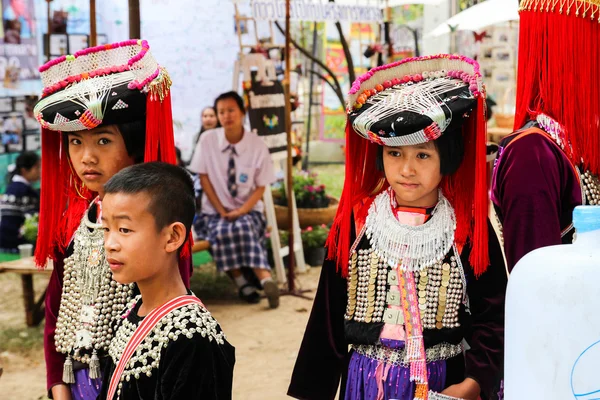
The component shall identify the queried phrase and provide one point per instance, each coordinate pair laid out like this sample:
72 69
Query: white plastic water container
552 342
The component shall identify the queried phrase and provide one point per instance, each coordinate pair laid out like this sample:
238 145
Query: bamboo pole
135 29
93 34
288 120
49 30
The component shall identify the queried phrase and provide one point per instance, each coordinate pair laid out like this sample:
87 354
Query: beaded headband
102 84
413 101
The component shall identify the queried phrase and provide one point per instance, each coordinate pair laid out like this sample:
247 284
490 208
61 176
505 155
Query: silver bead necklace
90 301
414 247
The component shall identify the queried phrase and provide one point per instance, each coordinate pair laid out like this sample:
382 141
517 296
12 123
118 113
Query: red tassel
361 180
160 141
160 146
61 190
479 258
51 197
467 191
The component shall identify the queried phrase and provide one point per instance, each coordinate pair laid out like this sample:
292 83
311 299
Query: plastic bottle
552 342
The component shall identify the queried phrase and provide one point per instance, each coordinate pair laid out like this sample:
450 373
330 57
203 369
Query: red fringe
558 63
160 140
58 194
51 197
467 191
361 180
479 258
160 144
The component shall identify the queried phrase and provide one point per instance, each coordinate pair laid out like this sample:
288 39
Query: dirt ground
266 342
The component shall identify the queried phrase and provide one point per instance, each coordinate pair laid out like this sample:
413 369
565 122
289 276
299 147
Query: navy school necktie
231 182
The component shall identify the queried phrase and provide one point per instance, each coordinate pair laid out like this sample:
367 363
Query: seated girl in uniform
235 167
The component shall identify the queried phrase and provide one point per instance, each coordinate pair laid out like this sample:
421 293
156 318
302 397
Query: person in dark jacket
19 200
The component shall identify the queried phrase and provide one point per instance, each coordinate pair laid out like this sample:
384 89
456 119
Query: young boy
166 345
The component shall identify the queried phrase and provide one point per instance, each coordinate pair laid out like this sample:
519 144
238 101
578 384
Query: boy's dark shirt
196 368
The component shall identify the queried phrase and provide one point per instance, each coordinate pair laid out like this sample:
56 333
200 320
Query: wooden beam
93 33
135 29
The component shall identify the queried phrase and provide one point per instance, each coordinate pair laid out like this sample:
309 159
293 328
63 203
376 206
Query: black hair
134 136
170 188
178 155
231 95
202 129
450 146
25 161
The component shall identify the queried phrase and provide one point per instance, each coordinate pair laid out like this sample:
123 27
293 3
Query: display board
198 49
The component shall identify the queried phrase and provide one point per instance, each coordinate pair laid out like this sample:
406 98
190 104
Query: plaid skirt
236 244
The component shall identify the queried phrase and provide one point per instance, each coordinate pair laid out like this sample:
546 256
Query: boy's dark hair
231 95
450 147
170 188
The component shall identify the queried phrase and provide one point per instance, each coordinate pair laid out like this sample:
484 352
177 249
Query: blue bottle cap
586 218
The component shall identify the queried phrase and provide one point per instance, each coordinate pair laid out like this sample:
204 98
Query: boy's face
135 249
414 173
97 155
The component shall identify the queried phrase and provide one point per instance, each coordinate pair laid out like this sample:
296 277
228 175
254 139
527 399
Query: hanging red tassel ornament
467 190
559 59
160 139
61 190
360 184
160 146
52 197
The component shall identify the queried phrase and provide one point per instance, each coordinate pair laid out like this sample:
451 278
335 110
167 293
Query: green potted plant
313 242
315 207
29 230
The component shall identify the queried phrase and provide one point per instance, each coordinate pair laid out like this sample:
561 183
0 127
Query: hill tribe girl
109 107
408 281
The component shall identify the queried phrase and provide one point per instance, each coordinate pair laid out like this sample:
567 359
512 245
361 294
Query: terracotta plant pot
308 216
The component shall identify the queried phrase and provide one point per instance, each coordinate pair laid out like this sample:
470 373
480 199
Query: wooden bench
34 310
202 245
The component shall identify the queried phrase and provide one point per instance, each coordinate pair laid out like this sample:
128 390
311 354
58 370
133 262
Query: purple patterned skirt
85 388
369 378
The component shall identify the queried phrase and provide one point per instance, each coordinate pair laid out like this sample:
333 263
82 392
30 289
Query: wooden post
135 29
93 34
290 166
28 299
49 30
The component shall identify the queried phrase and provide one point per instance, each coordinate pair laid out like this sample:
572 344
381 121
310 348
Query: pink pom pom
387 84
